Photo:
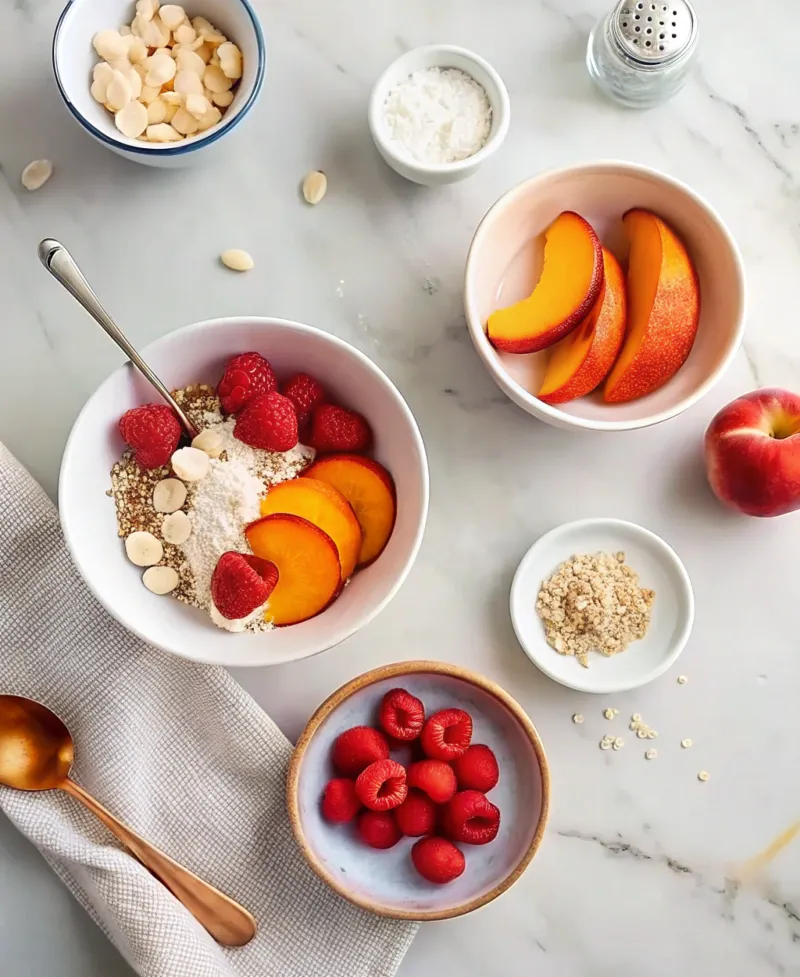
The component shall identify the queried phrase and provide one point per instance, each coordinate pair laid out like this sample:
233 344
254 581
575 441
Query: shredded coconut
438 115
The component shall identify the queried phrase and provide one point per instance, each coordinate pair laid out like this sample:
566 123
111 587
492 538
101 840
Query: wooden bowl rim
395 670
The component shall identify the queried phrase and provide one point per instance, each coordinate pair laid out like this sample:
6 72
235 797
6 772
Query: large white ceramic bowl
438 56
74 58
505 260
198 353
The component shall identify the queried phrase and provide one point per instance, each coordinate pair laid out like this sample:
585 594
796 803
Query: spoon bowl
36 750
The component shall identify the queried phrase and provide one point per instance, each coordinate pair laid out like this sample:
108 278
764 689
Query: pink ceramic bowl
198 353
505 259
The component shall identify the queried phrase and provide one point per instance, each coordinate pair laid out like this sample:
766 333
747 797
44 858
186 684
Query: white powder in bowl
438 115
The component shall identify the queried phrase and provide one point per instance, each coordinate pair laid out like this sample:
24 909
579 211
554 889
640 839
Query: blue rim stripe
187 146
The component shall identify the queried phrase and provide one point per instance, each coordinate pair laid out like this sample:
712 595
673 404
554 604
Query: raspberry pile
439 797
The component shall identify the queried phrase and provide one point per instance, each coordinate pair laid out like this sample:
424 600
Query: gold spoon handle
227 921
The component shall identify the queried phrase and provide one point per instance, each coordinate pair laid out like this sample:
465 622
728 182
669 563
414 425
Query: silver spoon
63 267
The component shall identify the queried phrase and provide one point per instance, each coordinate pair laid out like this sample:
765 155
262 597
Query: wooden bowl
385 882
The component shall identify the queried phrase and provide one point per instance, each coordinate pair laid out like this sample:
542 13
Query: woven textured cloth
181 753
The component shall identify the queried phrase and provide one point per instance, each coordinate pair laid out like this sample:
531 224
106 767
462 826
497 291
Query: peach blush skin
753 453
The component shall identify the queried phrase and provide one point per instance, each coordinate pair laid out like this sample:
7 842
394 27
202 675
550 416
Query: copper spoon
64 268
36 753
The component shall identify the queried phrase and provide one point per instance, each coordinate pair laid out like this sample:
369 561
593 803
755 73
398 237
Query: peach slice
663 309
568 287
322 505
369 489
581 362
308 566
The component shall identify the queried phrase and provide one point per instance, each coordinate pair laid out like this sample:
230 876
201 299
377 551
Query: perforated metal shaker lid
653 32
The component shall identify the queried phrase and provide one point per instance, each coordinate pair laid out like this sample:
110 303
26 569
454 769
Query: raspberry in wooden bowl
309 531
431 825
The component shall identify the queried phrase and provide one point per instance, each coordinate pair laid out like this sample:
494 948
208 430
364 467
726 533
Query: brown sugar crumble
593 602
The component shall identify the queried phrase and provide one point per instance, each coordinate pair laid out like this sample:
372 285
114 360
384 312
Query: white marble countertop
632 876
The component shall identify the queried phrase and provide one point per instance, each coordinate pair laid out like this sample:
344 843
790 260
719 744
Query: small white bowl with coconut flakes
438 113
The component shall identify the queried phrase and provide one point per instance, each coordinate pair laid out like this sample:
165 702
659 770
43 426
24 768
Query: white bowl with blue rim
74 59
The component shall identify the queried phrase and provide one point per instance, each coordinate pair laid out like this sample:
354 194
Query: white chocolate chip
636 718
606 744
703 775
215 79
36 174
162 132
143 549
185 34
184 122
189 61
230 60
188 83
619 742
110 45
223 99
156 112
577 718
686 744
160 69
160 580
176 528
190 464
132 120
169 495
315 186
209 441
610 713
651 754
682 680
197 105
236 260
172 15
118 93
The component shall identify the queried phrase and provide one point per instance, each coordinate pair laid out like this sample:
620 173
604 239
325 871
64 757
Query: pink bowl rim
524 398
338 635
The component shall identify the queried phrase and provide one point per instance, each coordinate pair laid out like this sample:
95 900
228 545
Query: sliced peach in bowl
369 489
325 507
582 361
663 309
572 275
308 565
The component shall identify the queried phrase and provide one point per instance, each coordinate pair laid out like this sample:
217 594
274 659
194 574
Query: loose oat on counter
593 602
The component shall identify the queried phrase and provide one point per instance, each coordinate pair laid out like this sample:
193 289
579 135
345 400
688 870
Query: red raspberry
305 393
152 431
382 785
248 375
477 769
435 778
416 815
337 429
379 829
267 422
402 715
438 860
241 583
356 748
339 801
471 818
446 734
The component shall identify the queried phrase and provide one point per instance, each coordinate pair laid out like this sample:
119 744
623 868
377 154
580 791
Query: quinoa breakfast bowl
283 528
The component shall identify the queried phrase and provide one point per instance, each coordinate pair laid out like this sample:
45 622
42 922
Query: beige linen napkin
180 752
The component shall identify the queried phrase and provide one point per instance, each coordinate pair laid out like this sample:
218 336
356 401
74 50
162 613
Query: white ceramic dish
505 258
198 353
439 56
74 58
385 882
659 569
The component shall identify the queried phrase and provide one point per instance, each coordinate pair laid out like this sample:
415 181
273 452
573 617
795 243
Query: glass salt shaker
641 53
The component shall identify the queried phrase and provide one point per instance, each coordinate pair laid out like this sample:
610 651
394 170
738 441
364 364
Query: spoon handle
63 267
229 923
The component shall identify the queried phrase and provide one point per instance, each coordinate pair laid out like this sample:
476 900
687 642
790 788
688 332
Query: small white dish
74 59
659 569
505 259
439 56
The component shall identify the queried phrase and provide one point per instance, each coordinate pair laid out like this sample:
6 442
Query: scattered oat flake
686 743
650 754
36 174
577 718
682 680
703 775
